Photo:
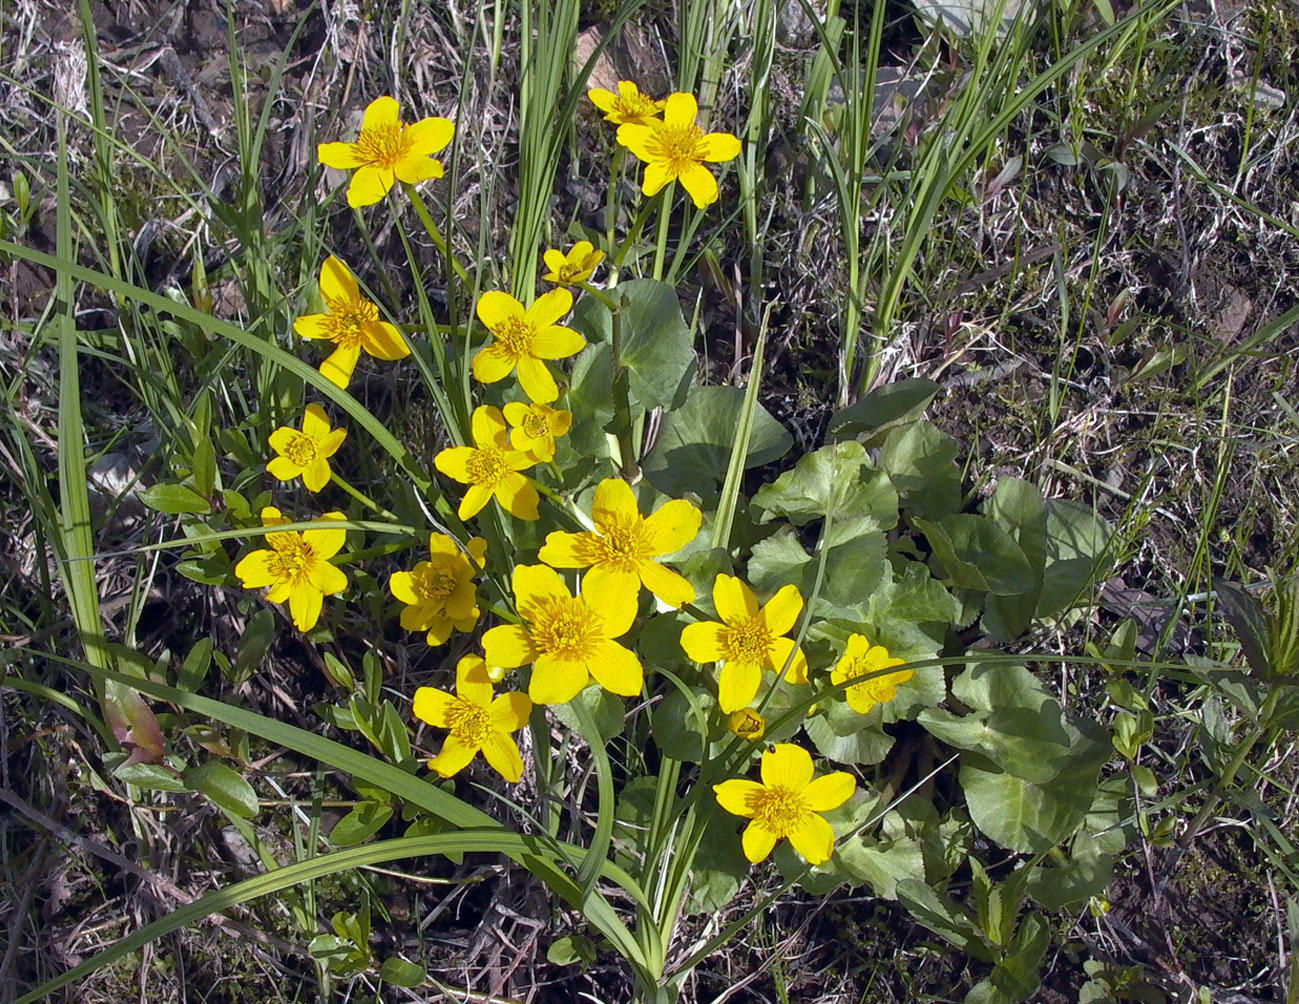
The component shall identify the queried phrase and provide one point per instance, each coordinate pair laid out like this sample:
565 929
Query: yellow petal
369 185
414 168
614 503
548 308
639 139
616 669
657 176
502 755
460 603
737 685
718 146
477 548
556 681
787 766
337 282
782 610
703 641
283 468
305 603
340 365
429 135
330 443
534 587
758 842
316 474
674 526
519 497
417 617
495 308
515 412
557 342
510 711
493 362
472 683
432 706
401 585
253 570
618 613
601 98
733 599
699 182
563 550
454 757
454 462
342 156
439 630
313 326
476 496
326 541
315 423
736 795
536 380
680 109
813 839
779 654
382 111
829 791
383 341
673 589
508 646
327 579
605 585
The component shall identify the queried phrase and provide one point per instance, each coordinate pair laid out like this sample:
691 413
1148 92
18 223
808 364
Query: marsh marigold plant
523 338
476 722
295 567
491 468
305 453
860 657
676 149
627 106
536 427
747 640
440 594
351 322
787 804
619 553
566 639
387 151
574 267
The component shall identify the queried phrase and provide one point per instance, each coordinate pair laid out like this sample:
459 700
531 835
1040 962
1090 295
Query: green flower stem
665 217
361 497
622 400
633 235
611 200
435 235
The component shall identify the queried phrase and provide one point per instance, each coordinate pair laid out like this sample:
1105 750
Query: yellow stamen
678 146
779 809
567 628
301 449
747 642
487 467
383 146
514 335
469 722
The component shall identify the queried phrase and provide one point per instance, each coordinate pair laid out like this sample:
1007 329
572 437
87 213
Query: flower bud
747 724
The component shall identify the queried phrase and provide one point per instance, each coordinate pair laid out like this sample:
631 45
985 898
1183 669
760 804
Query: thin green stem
435 235
665 217
361 497
622 400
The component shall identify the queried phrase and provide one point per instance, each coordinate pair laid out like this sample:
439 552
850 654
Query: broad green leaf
590 399
882 863
360 824
1076 555
224 786
681 732
149 775
978 554
1250 622
608 711
401 973
253 646
883 408
921 461
657 344
867 745
719 867
942 915
694 443
1029 744
835 481
854 568
1017 506
989 686
570 950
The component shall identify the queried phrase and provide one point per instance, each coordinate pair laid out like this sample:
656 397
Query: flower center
514 335
567 273
678 146
469 722
347 320
433 583
487 467
301 449
779 809
567 628
291 556
747 642
383 146
536 425
636 109
622 544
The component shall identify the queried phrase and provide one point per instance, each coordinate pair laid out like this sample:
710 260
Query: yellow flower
747 640
861 657
490 468
296 567
629 105
476 721
618 552
440 594
306 453
676 148
535 428
351 323
387 149
523 338
747 724
786 804
567 640
574 267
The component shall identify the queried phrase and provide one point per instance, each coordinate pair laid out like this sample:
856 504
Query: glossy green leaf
921 461
223 786
836 481
978 554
